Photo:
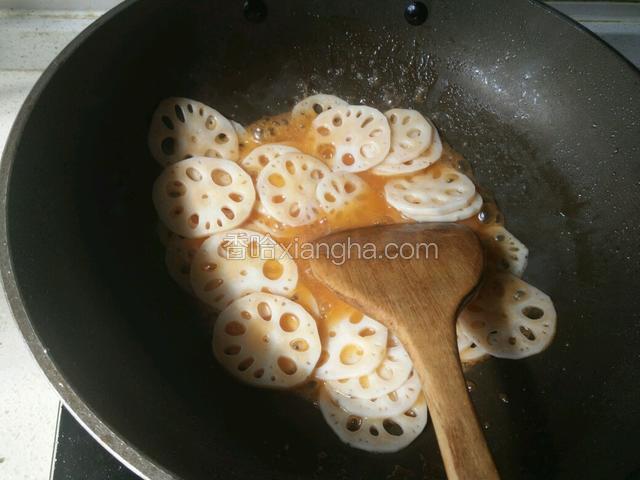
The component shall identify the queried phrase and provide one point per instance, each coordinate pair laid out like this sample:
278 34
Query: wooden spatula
414 279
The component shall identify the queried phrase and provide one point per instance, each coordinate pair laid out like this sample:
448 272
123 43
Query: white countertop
29 406
29 40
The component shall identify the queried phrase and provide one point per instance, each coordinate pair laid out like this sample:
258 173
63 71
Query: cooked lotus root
505 252
390 404
509 318
259 157
388 376
304 297
466 212
231 264
314 105
437 192
373 434
164 234
340 189
265 225
355 347
202 196
351 138
434 152
426 159
229 194
178 258
411 134
239 128
469 352
267 341
182 128
287 187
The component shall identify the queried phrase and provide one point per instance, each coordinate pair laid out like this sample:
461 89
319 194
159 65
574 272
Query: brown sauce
281 129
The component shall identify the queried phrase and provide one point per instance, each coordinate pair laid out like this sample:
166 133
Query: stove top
79 456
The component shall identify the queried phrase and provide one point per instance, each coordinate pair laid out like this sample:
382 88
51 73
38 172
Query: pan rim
581 28
132 456
107 436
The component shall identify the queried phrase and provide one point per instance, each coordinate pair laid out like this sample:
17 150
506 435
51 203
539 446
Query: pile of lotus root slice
231 199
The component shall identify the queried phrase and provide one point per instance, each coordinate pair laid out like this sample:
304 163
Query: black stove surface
79 456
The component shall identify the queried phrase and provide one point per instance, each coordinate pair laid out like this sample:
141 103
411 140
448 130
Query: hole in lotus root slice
179 255
246 262
469 352
314 105
340 189
360 137
411 134
426 159
509 318
387 405
182 128
351 355
435 193
259 157
218 195
505 253
275 363
287 187
375 434
387 376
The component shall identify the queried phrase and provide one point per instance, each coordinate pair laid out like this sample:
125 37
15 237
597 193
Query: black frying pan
547 114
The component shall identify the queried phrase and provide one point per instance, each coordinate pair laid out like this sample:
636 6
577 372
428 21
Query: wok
547 114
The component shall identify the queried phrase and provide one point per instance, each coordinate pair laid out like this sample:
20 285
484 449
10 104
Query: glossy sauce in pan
372 210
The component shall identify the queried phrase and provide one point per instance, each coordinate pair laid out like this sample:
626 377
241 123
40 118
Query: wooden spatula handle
418 298
462 443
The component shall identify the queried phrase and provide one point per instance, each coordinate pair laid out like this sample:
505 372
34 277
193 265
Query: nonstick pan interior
547 115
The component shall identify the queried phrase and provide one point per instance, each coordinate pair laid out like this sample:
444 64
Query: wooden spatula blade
442 262
414 278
